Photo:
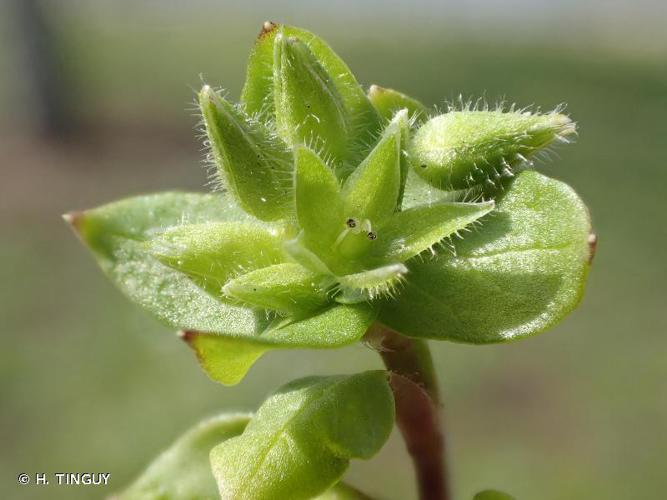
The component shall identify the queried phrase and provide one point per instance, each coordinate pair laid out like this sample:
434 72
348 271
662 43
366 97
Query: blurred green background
90 383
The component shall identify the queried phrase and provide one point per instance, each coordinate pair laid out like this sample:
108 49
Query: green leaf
227 358
215 252
254 164
319 206
234 337
224 359
371 191
492 495
286 288
257 95
461 149
522 273
309 109
117 234
389 101
183 471
302 438
412 231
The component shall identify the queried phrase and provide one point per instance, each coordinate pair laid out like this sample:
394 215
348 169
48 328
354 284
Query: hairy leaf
183 471
302 438
520 274
253 163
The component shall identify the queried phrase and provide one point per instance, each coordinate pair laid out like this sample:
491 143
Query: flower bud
462 149
309 108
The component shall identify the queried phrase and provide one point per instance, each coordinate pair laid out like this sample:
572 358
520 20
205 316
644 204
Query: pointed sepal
411 232
371 192
252 162
319 205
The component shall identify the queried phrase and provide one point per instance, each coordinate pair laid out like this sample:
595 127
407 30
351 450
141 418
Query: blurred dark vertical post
53 114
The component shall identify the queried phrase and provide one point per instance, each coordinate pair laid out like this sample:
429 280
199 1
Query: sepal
252 162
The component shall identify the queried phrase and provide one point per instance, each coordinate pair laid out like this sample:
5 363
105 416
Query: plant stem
412 380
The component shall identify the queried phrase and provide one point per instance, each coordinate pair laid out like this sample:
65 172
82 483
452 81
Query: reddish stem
413 383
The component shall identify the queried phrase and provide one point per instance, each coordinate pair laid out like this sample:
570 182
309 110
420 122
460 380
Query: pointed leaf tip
225 359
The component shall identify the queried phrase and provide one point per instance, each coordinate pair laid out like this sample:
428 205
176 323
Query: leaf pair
297 446
146 246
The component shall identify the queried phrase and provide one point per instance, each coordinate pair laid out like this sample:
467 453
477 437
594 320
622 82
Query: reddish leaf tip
267 27
592 246
375 89
187 336
74 219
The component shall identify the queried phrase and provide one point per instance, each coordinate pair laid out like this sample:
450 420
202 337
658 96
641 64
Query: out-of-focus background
96 104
